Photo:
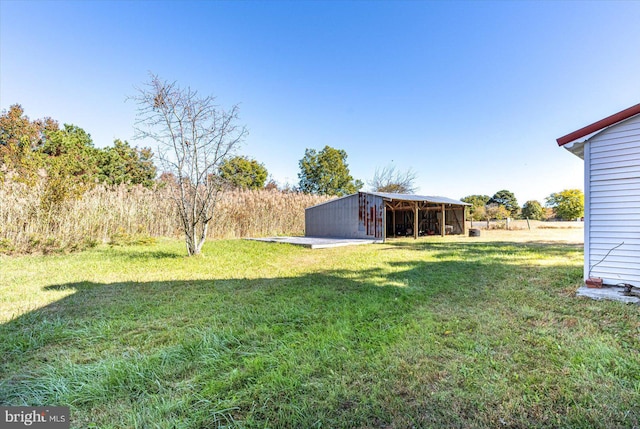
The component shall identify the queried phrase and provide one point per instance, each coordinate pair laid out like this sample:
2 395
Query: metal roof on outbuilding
403 197
421 198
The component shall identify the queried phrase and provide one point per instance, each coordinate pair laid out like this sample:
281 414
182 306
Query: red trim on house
602 123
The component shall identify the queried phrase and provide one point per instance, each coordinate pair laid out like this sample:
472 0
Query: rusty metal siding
359 215
371 214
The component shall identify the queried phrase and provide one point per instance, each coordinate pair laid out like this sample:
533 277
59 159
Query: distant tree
479 213
74 147
507 200
287 188
167 180
326 173
549 213
244 173
71 163
388 179
496 211
194 137
568 204
65 159
123 163
271 185
533 210
477 209
20 138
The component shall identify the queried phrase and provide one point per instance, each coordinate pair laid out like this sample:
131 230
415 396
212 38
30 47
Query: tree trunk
190 239
203 237
190 245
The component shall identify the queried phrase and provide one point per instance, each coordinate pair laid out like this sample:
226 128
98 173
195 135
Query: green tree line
66 157
564 205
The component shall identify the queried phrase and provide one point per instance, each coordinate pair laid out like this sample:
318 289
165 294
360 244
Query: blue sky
471 95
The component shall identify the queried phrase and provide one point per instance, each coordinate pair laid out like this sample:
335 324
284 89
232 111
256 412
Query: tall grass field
117 214
451 332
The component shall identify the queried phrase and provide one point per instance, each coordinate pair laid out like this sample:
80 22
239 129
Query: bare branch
388 179
194 137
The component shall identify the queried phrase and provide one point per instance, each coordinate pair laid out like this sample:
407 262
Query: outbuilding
610 149
379 215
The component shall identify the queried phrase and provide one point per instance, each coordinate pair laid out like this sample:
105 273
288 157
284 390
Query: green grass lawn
430 333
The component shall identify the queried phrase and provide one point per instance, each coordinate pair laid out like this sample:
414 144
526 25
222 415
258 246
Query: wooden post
393 219
464 222
415 221
443 223
384 223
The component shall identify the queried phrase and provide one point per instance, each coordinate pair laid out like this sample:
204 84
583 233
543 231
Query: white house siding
612 203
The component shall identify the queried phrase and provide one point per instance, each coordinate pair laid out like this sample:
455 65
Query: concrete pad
613 293
317 242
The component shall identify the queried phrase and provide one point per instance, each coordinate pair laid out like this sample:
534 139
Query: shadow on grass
335 347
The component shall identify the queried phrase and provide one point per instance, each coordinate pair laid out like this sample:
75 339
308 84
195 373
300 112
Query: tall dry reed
106 212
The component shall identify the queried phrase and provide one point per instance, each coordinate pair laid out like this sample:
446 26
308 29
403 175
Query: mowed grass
436 332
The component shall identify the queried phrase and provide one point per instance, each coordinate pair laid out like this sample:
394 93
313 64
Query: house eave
586 132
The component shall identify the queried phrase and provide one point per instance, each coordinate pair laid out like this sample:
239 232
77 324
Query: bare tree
388 179
194 137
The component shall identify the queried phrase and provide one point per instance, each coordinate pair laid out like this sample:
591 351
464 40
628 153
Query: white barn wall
612 203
